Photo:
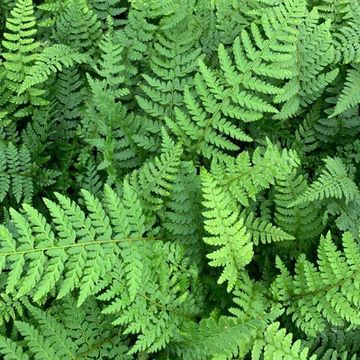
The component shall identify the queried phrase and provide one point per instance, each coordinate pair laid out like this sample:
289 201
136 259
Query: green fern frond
333 182
154 180
77 26
279 345
314 55
16 171
182 218
325 295
105 8
173 62
245 176
50 61
262 232
346 42
303 221
226 231
160 309
20 53
110 66
350 95
77 255
223 338
11 350
107 128
243 89
135 39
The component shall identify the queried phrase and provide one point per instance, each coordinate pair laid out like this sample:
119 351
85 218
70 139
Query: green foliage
313 293
179 179
227 231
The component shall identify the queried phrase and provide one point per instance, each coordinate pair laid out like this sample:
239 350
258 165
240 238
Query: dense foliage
179 179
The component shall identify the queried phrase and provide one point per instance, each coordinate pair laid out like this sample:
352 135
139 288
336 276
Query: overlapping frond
243 90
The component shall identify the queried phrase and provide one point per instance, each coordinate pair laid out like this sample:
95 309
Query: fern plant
179 179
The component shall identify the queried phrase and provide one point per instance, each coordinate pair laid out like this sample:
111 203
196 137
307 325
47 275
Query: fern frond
16 173
154 180
243 89
333 182
303 221
20 51
227 231
326 295
51 60
10 350
314 55
160 309
262 232
77 255
77 26
350 95
277 344
173 62
247 175
105 8
223 338
182 218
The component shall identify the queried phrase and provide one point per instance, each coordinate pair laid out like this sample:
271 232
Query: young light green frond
20 52
80 249
157 312
227 231
245 176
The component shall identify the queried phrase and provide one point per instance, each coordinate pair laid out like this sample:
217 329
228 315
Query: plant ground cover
179 179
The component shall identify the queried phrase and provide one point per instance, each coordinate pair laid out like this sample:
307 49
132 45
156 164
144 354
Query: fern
277 343
350 94
313 292
332 183
154 180
239 92
157 160
21 47
77 26
263 232
246 176
303 221
160 309
227 231
80 252
51 60
46 337
16 170
311 79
